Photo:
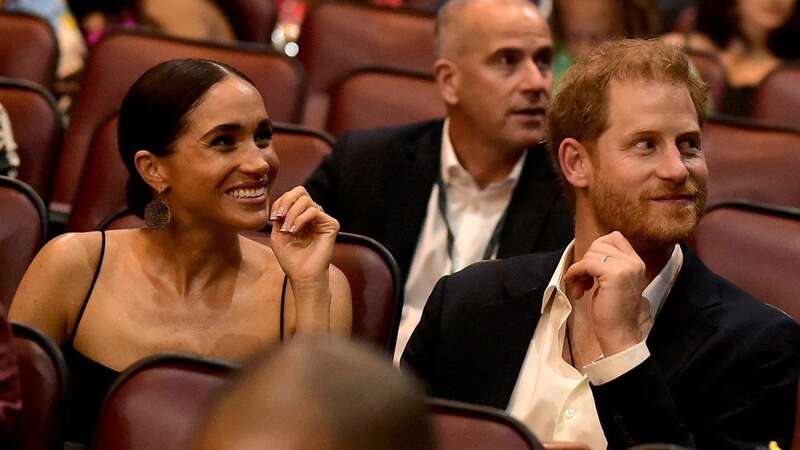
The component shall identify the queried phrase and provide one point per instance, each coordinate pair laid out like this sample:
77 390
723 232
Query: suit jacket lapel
507 328
410 175
530 204
681 326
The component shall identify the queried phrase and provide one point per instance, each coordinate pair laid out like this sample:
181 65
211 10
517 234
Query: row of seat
159 403
777 99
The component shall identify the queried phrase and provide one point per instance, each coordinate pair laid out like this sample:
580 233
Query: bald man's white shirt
472 213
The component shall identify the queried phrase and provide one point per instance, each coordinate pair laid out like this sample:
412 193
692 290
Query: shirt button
569 413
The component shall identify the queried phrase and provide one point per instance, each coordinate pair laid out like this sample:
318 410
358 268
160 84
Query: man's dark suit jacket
722 373
377 183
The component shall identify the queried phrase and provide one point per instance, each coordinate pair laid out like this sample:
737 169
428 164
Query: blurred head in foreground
319 393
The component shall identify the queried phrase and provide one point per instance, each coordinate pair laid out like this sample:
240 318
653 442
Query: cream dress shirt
553 398
472 213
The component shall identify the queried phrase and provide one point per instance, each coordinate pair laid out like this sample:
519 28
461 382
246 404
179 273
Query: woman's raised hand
302 238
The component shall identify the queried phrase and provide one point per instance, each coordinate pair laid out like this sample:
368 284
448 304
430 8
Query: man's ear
575 162
448 79
151 169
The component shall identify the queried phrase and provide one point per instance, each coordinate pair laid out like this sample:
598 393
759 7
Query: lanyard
493 240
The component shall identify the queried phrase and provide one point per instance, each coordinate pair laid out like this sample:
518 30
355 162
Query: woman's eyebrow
225 127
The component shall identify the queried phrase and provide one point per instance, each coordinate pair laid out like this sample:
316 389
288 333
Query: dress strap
91 288
283 304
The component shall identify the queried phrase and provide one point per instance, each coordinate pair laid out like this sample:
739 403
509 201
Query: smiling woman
197 141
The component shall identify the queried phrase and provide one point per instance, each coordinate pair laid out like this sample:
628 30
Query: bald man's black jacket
722 374
377 183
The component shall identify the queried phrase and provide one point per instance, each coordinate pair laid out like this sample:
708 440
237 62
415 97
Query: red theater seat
118 60
756 247
340 37
712 72
159 403
28 48
23 227
778 97
753 162
45 384
380 97
102 186
252 20
37 127
460 426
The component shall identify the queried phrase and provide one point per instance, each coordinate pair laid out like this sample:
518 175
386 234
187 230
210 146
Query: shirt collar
655 292
450 166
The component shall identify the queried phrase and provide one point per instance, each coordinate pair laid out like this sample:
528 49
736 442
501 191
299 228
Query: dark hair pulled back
153 114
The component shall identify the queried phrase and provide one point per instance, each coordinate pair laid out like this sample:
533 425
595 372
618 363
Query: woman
751 38
580 25
196 139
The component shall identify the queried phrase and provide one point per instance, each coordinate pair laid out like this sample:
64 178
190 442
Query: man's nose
672 166
535 78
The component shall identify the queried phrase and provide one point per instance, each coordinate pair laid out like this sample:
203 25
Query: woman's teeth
247 193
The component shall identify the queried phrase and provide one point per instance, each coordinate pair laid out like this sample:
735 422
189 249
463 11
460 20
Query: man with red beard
625 337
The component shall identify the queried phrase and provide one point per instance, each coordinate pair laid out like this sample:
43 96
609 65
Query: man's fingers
616 239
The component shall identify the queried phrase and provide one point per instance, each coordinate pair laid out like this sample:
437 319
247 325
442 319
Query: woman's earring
157 214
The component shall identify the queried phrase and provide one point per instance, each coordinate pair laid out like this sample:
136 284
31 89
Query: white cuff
614 366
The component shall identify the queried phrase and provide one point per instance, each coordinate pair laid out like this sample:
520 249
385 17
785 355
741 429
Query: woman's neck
192 258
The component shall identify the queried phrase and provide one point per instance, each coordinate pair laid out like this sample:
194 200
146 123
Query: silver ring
604 258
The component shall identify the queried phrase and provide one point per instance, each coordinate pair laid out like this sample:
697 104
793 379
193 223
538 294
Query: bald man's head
455 21
319 393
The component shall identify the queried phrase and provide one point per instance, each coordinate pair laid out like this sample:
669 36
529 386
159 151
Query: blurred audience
71 47
751 38
478 184
197 142
9 159
580 25
315 394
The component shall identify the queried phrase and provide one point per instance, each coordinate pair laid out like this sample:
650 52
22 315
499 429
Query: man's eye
689 146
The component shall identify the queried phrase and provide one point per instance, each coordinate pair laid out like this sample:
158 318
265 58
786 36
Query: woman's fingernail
284 227
292 230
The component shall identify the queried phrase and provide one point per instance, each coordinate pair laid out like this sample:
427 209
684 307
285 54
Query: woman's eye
263 139
645 145
222 141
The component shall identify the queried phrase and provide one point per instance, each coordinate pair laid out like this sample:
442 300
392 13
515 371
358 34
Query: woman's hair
153 114
633 18
718 19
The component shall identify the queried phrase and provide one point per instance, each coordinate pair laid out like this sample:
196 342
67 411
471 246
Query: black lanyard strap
494 240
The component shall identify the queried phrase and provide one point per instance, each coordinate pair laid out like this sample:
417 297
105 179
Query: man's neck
481 159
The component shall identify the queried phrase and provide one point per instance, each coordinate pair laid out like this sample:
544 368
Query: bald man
443 194
318 393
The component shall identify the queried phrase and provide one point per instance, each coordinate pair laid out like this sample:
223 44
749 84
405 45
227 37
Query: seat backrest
778 97
753 162
796 438
766 254
379 97
45 389
118 60
459 425
23 227
159 403
340 37
102 185
712 72
252 20
37 127
28 48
